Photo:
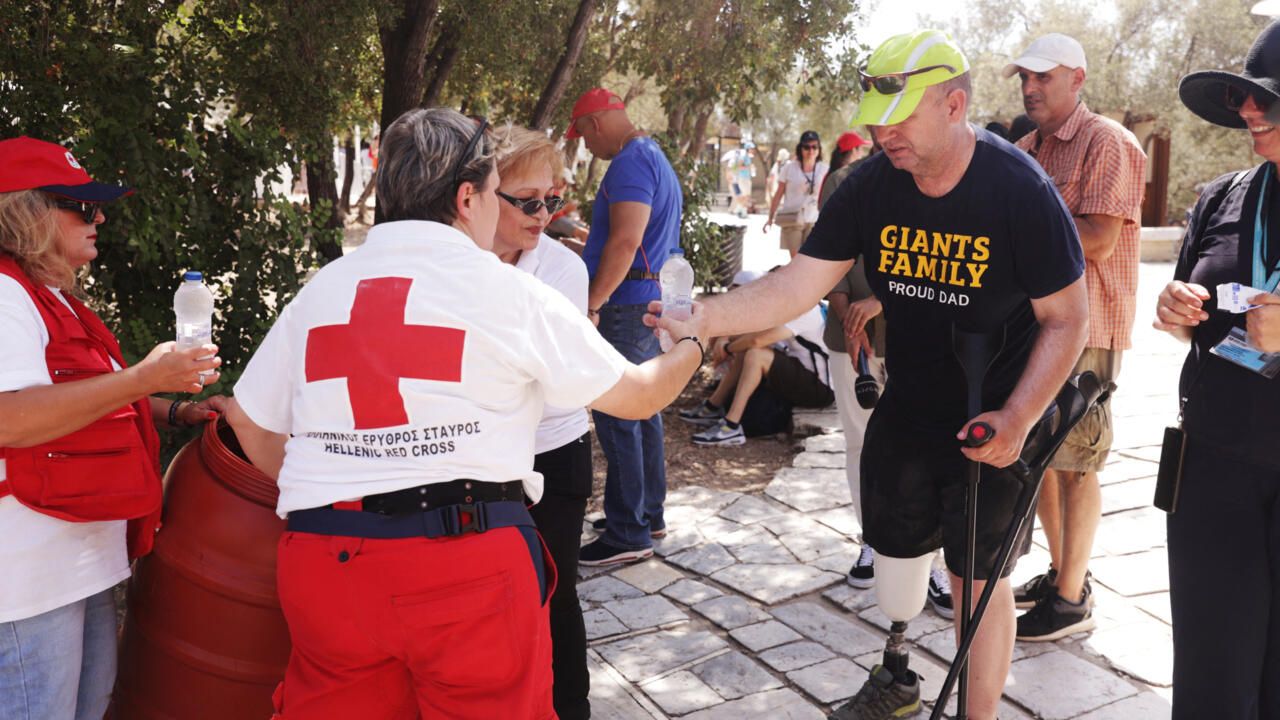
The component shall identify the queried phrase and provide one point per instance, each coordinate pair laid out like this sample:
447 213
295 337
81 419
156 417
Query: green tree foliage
1137 51
144 94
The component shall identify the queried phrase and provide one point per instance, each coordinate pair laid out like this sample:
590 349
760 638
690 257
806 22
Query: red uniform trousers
452 628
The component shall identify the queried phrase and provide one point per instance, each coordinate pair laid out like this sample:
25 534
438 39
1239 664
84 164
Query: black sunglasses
811 146
531 206
894 83
88 211
1236 97
465 157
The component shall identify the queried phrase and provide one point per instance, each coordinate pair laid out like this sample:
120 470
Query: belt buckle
477 518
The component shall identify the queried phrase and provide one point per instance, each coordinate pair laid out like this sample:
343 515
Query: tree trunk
441 58
699 132
348 173
322 185
404 54
553 93
364 195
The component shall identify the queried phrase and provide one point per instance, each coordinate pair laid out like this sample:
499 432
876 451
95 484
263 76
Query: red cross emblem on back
376 348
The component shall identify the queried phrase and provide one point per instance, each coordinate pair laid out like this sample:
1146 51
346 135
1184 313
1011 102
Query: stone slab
726 532
923 624
764 635
1144 705
645 612
823 421
704 559
781 704
644 657
1128 495
792 522
772 584
843 520
1059 685
827 443
730 612
1133 575
751 509
1142 649
611 697
796 655
650 576
819 460
850 599
606 589
690 592
681 692
1156 605
677 539
810 546
809 489
734 675
822 625
766 551
831 681
838 563
601 623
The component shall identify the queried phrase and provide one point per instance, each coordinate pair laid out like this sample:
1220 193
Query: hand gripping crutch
1068 408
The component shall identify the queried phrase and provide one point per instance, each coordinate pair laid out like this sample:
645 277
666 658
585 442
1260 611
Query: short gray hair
417 157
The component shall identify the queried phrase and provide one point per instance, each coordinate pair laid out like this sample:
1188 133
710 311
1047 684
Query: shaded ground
746 468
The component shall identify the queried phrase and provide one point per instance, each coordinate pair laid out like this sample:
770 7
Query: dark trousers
1224 582
566 473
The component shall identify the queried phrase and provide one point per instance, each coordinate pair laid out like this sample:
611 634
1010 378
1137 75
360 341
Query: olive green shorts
1086 448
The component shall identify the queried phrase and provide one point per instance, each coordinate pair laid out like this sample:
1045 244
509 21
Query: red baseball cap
850 140
593 100
30 164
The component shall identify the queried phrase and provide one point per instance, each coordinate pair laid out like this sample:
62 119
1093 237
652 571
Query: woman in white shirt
528 164
79 470
798 189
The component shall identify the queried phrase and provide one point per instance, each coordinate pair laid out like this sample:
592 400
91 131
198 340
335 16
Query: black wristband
695 339
173 412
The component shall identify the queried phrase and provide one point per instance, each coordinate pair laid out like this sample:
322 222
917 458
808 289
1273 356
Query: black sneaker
940 593
599 553
882 698
599 526
1032 591
702 415
863 573
1053 618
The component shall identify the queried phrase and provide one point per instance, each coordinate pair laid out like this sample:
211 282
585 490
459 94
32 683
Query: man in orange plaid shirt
1100 171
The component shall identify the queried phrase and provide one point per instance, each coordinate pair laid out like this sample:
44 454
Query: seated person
791 360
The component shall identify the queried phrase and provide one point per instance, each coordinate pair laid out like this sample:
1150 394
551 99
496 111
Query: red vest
108 470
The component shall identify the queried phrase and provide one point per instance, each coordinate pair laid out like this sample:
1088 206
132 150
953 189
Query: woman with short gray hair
395 400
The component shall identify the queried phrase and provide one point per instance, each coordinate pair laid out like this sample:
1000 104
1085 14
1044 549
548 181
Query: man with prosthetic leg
957 228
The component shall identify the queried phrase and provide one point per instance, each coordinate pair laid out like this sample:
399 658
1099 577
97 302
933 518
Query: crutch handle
978 434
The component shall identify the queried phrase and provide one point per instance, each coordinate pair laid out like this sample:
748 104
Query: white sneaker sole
860 583
1084 625
621 558
739 440
942 610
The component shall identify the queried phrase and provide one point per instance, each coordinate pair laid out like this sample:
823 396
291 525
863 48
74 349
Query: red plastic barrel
204 637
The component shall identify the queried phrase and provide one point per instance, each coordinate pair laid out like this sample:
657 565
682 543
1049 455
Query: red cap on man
30 164
593 100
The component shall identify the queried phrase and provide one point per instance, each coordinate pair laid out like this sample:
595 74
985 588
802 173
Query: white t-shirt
48 563
561 269
798 196
810 326
452 353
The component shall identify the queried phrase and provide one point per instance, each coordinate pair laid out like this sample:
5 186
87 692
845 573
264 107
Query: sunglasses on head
1236 97
894 83
531 206
88 211
465 157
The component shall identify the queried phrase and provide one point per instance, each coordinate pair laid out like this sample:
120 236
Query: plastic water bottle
676 279
193 307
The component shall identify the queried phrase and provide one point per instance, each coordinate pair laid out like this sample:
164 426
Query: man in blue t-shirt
635 224
958 229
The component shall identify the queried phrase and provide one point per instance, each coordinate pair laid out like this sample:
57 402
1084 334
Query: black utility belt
435 495
638 274
446 521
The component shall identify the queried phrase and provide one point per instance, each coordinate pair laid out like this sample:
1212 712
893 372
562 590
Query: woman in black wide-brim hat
1224 533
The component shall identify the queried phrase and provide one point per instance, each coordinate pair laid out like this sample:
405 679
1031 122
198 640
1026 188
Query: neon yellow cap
904 53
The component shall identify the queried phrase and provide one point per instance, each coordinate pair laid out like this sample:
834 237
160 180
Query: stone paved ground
744 614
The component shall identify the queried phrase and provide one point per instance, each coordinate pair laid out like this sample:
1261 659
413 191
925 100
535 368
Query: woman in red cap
79 467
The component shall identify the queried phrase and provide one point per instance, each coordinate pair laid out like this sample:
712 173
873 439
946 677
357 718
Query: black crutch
1069 407
975 351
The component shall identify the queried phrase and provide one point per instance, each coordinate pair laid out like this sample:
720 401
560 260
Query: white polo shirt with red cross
418 359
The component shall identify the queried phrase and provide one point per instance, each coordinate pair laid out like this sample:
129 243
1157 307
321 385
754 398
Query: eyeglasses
465 157
88 211
810 146
1236 97
531 206
894 83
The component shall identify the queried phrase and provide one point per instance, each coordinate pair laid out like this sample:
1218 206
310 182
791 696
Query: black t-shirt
1227 406
974 257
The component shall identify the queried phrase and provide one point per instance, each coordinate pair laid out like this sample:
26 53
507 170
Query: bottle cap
193 275
677 251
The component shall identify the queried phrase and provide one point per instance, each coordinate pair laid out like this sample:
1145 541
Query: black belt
454 492
450 520
638 274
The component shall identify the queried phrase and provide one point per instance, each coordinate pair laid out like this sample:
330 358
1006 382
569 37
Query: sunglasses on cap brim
894 83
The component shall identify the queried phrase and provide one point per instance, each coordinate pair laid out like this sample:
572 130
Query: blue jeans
60 665
635 484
